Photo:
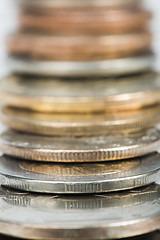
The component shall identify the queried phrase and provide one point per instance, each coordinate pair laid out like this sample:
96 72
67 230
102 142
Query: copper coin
83 4
91 21
80 124
78 48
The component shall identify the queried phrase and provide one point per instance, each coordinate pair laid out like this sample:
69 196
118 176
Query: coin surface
86 3
80 95
79 149
80 124
112 67
78 48
102 216
87 21
79 178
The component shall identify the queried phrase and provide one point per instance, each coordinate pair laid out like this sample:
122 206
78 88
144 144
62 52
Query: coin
78 48
86 3
80 124
112 67
149 236
102 216
79 149
80 95
79 178
87 21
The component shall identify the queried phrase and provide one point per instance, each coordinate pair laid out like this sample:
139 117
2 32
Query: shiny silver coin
102 216
79 178
112 67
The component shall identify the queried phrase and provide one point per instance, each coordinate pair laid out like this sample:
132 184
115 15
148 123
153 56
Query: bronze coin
78 48
91 21
83 4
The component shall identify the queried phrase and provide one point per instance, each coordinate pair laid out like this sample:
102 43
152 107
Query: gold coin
79 149
80 124
81 95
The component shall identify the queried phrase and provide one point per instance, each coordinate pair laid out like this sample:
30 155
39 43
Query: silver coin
79 178
103 216
80 149
112 67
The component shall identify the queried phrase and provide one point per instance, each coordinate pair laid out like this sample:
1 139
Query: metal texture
81 95
79 149
79 178
87 21
60 124
102 216
72 3
78 48
113 67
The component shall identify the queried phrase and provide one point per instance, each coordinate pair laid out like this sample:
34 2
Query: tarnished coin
89 21
90 95
79 149
84 4
112 67
79 178
102 216
78 48
60 124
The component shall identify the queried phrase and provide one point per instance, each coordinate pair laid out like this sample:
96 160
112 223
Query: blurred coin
78 48
79 149
81 95
112 67
80 124
102 216
72 3
89 21
79 178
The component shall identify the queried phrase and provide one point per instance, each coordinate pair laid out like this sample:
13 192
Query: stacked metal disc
82 107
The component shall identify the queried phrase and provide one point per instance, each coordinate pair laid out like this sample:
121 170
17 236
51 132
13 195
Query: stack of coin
83 110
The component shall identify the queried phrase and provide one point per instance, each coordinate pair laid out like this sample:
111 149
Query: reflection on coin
90 95
78 48
79 149
80 124
73 3
79 178
76 21
103 216
113 67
